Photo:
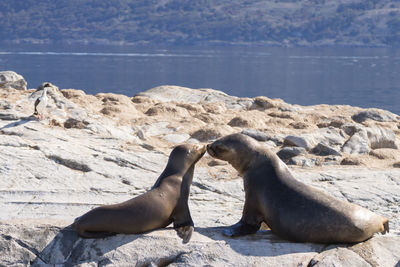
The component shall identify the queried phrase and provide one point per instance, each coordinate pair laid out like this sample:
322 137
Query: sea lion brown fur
165 203
292 209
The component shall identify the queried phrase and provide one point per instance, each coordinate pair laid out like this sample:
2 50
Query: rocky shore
103 149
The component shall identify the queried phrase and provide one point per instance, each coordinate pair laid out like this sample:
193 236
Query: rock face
10 79
103 149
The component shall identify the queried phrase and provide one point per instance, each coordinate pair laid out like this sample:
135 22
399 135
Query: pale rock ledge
103 149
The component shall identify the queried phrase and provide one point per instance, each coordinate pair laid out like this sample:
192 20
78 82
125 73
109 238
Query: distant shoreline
196 44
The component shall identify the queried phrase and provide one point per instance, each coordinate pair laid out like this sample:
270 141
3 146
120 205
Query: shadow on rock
264 243
68 249
21 121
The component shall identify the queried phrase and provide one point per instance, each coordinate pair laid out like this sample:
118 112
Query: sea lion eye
220 148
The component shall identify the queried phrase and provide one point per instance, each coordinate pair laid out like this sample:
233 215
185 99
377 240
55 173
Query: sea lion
165 203
292 209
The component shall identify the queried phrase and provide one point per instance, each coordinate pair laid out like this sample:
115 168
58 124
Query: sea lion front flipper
240 228
185 232
251 219
183 223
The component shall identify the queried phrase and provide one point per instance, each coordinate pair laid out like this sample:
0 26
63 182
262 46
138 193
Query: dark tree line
369 22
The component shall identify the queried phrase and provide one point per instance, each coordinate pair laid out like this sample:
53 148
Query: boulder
263 103
299 141
357 144
10 79
170 93
262 136
327 136
302 161
350 161
290 152
324 150
375 115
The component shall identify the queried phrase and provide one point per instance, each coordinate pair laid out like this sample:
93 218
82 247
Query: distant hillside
188 22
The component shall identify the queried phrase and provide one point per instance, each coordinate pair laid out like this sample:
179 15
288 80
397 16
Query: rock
379 251
290 152
215 108
216 162
239 122
71 93
331 160
381 138
299 141
178 138
263 103
386 153
351 128
357 144
155 129
340 257
74 123
4 104
207 134
195 108
55 170
261 136
302 161
165 108
8 116
10 79
299 125
198 96
324 150
334 122
374 114
328 136
350 161
282 115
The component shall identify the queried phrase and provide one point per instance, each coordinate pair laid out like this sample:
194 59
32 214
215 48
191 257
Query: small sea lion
292 209
165 203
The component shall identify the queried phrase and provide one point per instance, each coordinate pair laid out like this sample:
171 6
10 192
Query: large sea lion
292 209
165 203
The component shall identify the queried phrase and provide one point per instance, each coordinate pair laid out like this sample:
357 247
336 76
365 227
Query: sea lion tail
385 223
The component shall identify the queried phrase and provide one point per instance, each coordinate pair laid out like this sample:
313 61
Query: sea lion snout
201 148
210 150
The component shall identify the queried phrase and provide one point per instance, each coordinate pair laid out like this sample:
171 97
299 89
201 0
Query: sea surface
365 77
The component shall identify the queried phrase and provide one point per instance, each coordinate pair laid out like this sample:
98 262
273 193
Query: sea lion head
237 149
183 156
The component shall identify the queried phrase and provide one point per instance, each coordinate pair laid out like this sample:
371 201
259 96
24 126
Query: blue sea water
365 77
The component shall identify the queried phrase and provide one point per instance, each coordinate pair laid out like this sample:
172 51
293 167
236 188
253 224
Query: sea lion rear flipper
385 226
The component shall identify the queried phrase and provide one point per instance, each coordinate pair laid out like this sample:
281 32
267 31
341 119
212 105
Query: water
365 77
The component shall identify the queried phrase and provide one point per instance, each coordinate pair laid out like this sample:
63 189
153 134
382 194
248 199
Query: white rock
186 95
357 144
10 79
